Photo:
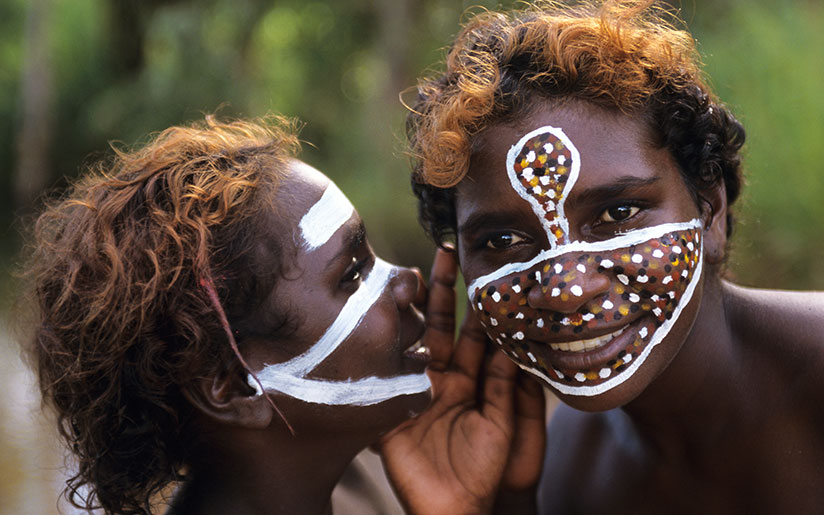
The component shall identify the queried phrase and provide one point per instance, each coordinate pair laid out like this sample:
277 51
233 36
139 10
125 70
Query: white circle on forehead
524 193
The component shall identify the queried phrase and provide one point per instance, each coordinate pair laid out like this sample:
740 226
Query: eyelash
353 274
635 208
487 241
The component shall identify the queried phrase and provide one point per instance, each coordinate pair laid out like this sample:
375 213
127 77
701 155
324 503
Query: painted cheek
650 278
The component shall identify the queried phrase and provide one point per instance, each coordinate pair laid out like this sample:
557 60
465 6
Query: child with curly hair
210 315
587 173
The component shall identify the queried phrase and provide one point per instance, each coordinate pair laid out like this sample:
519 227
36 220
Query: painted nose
408 287
568 291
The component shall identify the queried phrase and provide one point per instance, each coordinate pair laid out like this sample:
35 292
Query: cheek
647 281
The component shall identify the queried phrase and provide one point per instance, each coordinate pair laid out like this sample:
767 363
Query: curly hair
115 268
618 55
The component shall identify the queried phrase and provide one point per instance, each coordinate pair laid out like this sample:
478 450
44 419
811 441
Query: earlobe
715 224
227 399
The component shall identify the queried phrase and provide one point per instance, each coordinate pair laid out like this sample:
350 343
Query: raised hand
485 428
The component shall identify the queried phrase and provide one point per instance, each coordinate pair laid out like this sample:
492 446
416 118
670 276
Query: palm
454 457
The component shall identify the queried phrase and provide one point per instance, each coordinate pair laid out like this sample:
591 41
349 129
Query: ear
227 398
714 215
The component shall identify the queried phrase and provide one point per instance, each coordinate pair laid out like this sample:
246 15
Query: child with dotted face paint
210 315
586 173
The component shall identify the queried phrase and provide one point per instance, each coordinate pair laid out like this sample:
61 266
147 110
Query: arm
484 430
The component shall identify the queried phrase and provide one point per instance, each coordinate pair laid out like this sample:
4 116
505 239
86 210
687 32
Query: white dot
496 296
633 297
608 304
580 377
576 290
559 268
666 280
493 321
605 372
539 322
518 336
643 332
581 268
555 292
519 316
676 249
530 156
657 253
642 278
637 258
606 263
516 288
623 278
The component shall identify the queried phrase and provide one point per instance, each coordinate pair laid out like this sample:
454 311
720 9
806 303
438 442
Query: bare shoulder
787 325
593 461
787 315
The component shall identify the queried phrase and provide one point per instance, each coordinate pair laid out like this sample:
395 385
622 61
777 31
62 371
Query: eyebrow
613 189
352 241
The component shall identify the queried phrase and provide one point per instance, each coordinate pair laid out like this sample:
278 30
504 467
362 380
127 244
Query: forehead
611 145
299 190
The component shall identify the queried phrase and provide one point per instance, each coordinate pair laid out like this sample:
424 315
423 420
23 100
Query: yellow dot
618 364
564 296
542 158
533 182
623 309
522 301
646 307
596 309
625 258
559 145
619 289
561 170
591 375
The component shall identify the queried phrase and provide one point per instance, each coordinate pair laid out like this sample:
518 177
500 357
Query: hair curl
116 268
618 55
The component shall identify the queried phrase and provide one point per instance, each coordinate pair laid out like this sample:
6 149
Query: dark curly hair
618 55
117 268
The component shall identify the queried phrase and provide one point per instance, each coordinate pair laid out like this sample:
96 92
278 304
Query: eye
619 213
354 273
503 240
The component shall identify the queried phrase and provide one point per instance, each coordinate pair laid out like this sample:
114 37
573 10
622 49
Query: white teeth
585 345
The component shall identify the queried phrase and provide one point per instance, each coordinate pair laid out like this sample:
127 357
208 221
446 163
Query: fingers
499 386
440 310
470 350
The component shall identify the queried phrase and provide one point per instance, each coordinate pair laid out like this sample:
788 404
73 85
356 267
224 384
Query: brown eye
619 213
503 240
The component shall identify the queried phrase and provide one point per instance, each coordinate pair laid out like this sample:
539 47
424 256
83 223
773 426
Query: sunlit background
77 74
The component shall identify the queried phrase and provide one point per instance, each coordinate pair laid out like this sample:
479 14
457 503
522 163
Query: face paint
326 217
652 270
291 377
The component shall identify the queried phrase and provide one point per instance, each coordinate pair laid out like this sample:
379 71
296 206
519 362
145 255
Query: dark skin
724 415
248 460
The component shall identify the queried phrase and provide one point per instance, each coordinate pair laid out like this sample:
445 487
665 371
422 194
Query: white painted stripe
349 317
624 240
361 392
529 197
325 217
657 337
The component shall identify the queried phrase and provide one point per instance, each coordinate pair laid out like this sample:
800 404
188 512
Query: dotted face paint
651 272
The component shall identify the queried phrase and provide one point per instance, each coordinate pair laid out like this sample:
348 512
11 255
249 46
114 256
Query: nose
408 288
566 287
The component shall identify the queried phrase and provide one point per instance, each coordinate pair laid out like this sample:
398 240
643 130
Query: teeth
585 345
417 348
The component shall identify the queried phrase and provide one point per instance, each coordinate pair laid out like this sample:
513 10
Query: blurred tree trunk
37 114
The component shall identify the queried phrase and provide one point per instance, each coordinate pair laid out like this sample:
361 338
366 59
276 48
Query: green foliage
767 63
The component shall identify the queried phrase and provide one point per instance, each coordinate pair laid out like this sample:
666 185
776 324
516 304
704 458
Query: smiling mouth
586 345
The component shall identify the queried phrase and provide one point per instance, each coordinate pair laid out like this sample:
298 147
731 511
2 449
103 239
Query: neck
693 402
265 474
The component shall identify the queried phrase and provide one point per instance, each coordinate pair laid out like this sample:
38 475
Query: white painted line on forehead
349 317
521 190
325 217
361 392
624 240
657 337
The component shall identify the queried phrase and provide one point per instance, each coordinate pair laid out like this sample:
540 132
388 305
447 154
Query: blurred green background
77 74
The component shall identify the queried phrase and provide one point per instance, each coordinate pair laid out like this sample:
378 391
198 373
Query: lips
586 345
